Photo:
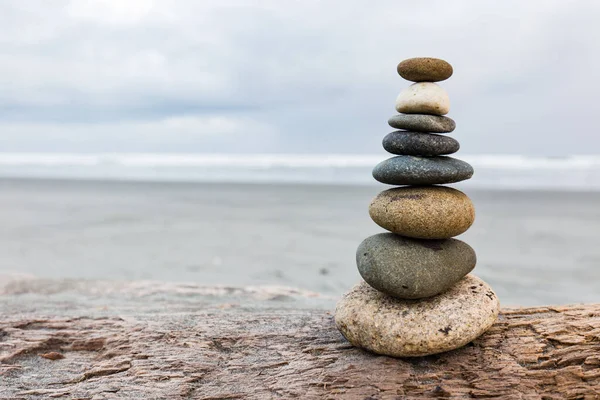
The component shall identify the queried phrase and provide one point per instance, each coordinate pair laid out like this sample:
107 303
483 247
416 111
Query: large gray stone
408 328
411 170
419 144
413 268
422 123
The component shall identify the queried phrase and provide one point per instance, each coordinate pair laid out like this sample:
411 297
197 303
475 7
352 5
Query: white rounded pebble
423 98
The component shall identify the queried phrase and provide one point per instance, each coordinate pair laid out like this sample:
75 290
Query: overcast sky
310 76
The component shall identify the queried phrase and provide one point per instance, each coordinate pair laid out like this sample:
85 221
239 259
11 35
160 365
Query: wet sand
533 247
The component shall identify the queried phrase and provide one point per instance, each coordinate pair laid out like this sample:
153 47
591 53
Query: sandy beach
533 247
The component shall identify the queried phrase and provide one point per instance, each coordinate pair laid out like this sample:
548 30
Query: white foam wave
191 160
491 171
511 162
520 162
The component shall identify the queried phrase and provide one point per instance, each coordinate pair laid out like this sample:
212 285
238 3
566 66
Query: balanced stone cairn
417 297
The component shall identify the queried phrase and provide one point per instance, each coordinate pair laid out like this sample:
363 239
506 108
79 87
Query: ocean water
494 172
534 246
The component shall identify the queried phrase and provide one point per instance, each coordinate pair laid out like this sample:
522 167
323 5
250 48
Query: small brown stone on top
425 69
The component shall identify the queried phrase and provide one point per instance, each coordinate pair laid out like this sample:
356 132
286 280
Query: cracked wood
549 352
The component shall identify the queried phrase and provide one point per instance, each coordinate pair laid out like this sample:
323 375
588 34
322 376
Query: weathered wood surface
229 350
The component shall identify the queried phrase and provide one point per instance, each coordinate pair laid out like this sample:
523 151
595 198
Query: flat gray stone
410 328
413 268
412 170
419 144
422 123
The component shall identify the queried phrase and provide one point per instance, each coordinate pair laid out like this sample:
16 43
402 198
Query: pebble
423 98
386 325
422 123
413 268
428 212
425 69
419 144
413 170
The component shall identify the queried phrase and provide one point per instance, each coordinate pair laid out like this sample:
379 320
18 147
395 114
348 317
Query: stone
423 98
422 123
413 170
413 268
425 69
394 327
419 144
427 212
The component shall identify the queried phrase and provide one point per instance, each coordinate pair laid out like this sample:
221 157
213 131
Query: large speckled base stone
408 328
414 170
425 69
413 268
423 212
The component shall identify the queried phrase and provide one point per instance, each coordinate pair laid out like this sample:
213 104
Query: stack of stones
417 297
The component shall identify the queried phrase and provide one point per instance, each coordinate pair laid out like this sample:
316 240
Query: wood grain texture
237 353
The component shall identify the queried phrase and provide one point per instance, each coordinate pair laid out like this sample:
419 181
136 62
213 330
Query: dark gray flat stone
422 123
413 268
419 144
412 170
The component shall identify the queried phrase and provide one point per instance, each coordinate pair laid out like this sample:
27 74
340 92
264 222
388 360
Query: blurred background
232 142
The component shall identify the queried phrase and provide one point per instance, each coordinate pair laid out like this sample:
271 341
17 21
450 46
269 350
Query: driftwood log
150 342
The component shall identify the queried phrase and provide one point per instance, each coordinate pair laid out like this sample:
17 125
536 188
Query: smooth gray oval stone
419 144
412 170
422 123
413 268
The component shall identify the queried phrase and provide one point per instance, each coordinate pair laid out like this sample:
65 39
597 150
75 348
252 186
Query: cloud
170 134
317 76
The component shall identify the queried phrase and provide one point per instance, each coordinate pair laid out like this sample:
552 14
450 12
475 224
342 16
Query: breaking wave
491 171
